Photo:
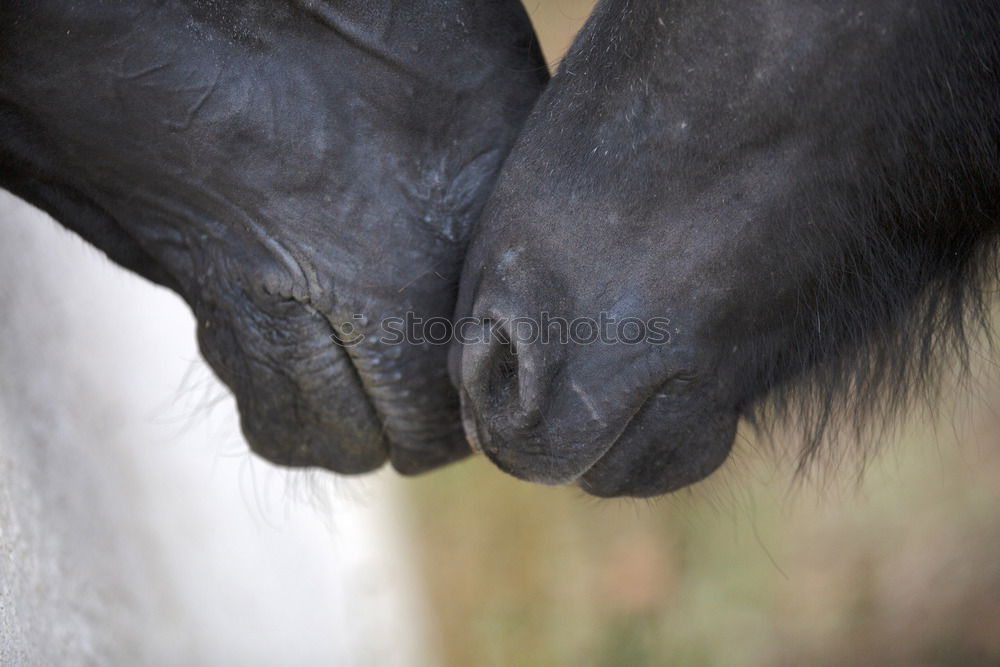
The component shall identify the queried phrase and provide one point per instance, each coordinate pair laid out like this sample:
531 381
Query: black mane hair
917 219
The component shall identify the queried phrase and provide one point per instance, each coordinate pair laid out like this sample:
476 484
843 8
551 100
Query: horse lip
658 393
569 475
618 436
476 442
470 425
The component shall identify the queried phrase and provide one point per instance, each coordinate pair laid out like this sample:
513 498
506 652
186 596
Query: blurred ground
901 569
749 569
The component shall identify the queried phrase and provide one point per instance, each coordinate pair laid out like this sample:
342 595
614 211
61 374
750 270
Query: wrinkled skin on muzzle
297 172
783 182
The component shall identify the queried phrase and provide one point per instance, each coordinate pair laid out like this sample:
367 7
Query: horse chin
308 399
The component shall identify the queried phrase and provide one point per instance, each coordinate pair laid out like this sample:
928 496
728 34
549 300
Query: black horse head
805 192
297 171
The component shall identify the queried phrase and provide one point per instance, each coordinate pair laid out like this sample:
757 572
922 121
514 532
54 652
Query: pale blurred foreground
135 527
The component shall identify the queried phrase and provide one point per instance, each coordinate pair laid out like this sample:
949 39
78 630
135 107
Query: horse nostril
502 371
502 386
490 372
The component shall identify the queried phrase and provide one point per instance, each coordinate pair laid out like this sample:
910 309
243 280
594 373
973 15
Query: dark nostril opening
502 382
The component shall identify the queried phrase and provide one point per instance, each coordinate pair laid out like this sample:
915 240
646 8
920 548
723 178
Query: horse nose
500 378
495 371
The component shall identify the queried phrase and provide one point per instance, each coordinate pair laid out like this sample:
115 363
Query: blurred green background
755 567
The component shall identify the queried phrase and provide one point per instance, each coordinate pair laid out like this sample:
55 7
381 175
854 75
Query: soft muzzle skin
297 171
806 191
